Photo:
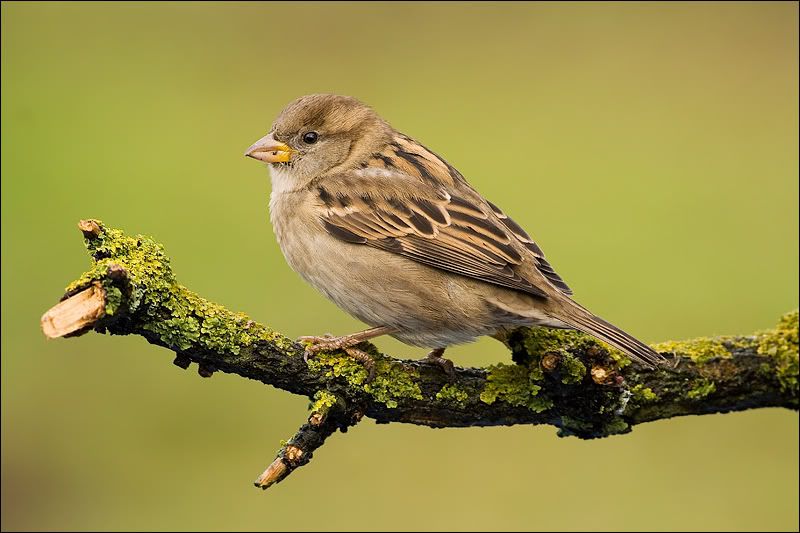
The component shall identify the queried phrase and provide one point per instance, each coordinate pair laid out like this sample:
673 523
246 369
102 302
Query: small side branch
562 378
328 414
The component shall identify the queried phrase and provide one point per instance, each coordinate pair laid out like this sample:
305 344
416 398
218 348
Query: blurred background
651 149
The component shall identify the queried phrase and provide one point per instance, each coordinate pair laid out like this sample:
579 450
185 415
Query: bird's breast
296 229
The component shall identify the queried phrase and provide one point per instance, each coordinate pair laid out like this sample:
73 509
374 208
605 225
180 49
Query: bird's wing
398 203
541 263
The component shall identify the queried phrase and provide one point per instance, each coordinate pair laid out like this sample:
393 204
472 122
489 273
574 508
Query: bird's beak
269 150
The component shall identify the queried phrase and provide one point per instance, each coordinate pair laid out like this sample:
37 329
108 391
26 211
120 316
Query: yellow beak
269 150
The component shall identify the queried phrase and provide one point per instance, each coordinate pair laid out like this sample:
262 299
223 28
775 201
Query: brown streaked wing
459 261
544 267
415 159
464 240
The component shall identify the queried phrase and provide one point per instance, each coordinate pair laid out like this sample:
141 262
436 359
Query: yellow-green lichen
178 317
339 365
197 322
538 341
113 300
572 369
620 358
781 345
323 401
539 404
701 389
141 255
453 394
699 350
282 342
392 380
643 394
515 385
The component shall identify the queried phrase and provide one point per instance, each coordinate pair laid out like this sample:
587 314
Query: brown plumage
396 236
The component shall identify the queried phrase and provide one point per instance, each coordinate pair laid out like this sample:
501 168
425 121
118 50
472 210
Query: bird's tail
583 320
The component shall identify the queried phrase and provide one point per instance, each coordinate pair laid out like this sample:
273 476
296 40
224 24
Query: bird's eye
310 137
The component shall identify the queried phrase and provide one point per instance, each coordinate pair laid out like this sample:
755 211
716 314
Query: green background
651 149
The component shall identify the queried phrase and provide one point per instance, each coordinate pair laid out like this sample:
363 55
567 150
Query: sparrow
394 235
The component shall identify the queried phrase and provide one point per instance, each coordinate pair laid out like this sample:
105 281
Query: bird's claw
365 359
445 364
324 342
328 342
317 344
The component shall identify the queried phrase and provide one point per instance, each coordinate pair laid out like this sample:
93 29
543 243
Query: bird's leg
329 342
346 343
436 358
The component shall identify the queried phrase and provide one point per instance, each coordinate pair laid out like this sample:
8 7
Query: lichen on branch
558 377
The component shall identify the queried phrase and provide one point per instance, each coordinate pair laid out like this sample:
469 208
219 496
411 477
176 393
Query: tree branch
562 378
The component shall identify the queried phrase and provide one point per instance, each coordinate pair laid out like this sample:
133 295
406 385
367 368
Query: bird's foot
327 343
435 357
323 343
365 359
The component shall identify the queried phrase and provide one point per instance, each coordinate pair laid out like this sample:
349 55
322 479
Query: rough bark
562 378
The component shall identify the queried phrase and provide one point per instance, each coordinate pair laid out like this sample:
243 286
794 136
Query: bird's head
320 134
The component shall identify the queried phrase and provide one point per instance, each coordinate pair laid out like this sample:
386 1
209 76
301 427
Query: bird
395 236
